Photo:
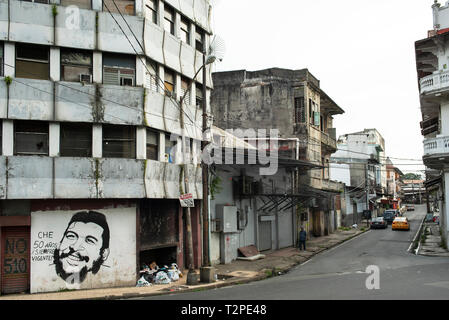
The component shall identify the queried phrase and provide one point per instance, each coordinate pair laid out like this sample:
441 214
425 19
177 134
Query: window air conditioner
86 78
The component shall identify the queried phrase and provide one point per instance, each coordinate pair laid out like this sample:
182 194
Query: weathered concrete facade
292 102
129 74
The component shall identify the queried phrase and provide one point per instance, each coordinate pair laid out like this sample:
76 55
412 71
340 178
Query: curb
261 276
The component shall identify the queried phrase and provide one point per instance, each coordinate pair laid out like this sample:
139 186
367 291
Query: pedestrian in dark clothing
302 239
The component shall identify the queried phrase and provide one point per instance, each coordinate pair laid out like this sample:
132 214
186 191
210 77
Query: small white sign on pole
187 200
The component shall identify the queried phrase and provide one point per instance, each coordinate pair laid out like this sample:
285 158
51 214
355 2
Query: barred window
300 110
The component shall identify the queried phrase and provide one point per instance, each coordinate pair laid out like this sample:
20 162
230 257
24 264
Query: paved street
340 272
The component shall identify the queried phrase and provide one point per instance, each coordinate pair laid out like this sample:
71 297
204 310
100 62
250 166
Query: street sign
187 200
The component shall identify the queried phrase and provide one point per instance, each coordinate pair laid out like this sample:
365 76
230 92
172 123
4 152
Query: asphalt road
341 273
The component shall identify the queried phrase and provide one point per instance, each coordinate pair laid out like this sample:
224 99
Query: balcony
435 82
332 185
436 152
328 142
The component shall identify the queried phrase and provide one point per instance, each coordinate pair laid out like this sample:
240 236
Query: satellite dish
217 49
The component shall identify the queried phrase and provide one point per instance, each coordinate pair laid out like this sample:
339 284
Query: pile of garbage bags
152 274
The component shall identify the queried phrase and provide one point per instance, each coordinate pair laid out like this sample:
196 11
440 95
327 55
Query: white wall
119 269
341 173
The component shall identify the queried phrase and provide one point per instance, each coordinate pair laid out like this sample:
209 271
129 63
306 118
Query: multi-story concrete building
360 164
292 102
89 102
394 185
433 74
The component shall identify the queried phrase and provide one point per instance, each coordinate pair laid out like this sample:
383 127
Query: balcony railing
435 82
332 185
328 141
436 146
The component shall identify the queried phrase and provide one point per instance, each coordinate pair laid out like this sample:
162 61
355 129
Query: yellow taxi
400 223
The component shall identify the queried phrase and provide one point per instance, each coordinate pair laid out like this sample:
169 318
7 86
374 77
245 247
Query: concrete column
161 87
97 5
54 139
140 71
193 94
97 141
8 138
177 24
97 67
446 208
178 87
10 59
179 155
162 147
139 8
444 117
55 64
141 143
192 34
160 12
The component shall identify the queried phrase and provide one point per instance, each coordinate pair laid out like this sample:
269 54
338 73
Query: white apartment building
432 59
89 104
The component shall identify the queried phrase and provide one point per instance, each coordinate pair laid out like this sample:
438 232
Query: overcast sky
361 51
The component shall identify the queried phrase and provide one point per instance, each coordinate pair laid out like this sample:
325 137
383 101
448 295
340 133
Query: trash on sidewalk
354 226
154 275
250 253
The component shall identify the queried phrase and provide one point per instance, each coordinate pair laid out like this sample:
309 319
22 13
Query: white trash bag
162 278
143 283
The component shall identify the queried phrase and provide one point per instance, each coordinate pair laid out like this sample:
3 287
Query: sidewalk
237 272
430 243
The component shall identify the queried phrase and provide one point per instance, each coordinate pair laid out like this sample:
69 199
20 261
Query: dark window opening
32 61
199 39
119 69
169 19
124 6
199 95
76 66
76 140
170 149
37 1
119 141
152 6
30 138
300 111
185 30
152 145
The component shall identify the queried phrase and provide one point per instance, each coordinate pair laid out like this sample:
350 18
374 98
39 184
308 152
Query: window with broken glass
152 145
124 6
76 140
119 141
76 66
30 138
32 61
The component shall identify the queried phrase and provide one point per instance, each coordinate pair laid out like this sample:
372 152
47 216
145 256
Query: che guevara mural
83 249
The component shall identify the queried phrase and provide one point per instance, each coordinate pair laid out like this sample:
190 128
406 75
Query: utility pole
205 174
367 191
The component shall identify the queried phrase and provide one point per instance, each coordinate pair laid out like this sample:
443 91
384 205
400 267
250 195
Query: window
152 145
169 19
185 30
30 138
37 1
310 111
169 82
152 6
170 149
76 66
32 61
119 141
199 39
300 111
1 60
152 75
124 6
119 69
185 88
199 95
81 4
76 140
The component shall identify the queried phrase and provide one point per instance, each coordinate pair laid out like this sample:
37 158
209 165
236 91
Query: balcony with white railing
435 82
436 152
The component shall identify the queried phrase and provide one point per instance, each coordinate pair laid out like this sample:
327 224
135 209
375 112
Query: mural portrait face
84 247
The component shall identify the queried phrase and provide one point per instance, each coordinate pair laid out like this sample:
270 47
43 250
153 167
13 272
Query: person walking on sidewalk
302 239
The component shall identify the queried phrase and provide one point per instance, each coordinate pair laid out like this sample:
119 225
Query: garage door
15 261
264 235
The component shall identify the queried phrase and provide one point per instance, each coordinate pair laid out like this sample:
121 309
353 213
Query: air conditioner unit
86 78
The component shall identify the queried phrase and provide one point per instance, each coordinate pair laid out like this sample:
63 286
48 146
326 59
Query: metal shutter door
15 264
265 235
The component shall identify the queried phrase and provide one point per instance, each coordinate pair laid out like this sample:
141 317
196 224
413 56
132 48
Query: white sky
361 51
